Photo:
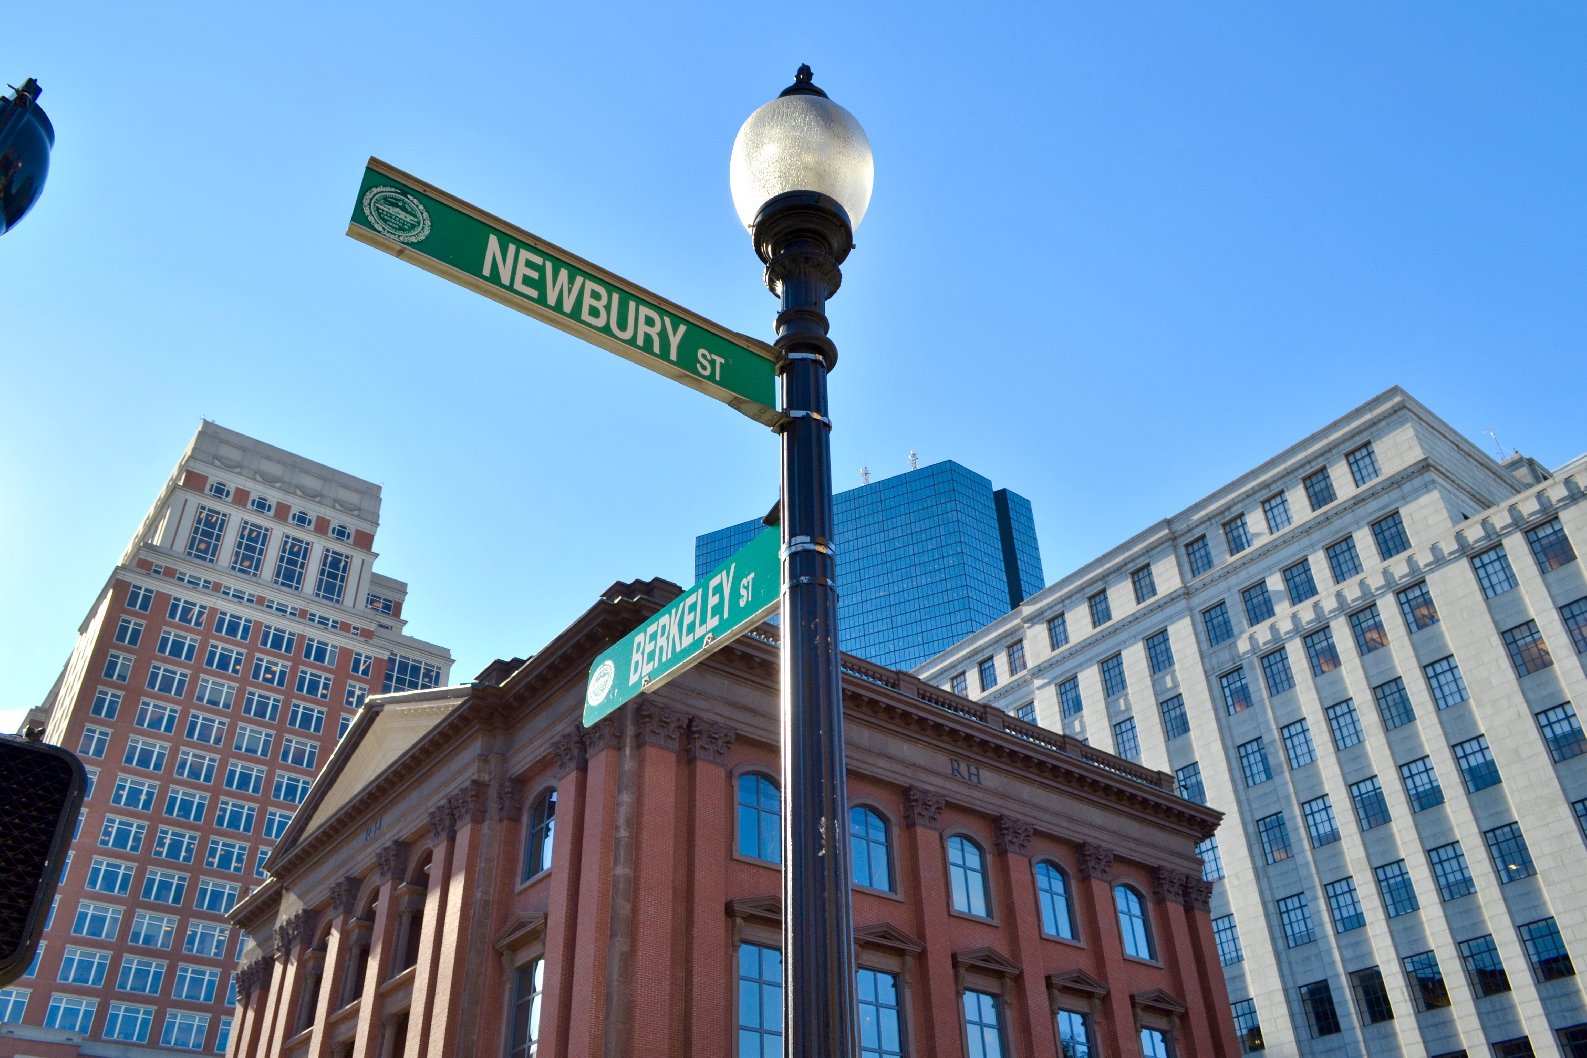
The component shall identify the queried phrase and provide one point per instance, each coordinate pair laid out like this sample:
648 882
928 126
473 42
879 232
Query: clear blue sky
1117 254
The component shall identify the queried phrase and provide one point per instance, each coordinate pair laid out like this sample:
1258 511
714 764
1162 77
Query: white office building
1369 651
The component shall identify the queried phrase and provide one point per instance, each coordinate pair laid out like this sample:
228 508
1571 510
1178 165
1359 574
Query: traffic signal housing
41 792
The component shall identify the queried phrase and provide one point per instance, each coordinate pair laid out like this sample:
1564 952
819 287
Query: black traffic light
41 791
26 137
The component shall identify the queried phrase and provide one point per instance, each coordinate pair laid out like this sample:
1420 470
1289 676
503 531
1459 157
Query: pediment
1158 1001
1077 981
762 908
520 930
888 937
987 959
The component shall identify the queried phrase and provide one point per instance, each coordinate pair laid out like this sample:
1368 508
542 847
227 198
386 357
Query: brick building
228 650
476 874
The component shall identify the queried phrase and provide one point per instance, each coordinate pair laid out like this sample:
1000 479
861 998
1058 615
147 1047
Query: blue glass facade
924 559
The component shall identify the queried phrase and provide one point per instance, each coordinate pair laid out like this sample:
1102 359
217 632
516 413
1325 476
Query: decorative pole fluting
801 181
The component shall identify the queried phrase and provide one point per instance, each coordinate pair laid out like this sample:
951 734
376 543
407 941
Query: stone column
344 901
937 978
563 907
1116 1031
581 995
432 966
391 866
1022 915
454 887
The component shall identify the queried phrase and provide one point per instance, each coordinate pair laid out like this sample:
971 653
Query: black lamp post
26 137
801 176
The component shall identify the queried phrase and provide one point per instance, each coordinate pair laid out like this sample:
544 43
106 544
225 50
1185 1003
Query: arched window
759 818
870 849
410 923
312 976
967 876
1052 889
359 934
1137 932
539 835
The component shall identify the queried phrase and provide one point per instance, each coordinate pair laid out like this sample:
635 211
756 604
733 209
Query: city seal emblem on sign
396 214
600 683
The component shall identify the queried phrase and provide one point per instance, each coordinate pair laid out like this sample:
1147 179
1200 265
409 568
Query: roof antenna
914 460
1497 446
865 475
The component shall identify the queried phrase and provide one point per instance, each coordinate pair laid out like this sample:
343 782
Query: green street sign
734 597
423 225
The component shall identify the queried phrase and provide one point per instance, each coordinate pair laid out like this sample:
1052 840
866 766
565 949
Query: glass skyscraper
924 559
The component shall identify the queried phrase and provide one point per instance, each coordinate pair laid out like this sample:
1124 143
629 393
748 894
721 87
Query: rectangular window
1484 968
986 668
217 694
1371 808
1321 827
1476 762
380 603
1253 762
186 611
1422 788
235 815
253 540
110 876
140 598
1227 938
1550 546
1388 533
1125 742
245 778
1416 606
1016 665
195 766
145 753
117 667
305 717
1493 572
1343 560
760 979
1276 510
320 651
291 562
1236 692
332 581
1512 860
1394 705
1189 784
188 805
1143 583
216 896
880 1010
203 542
1317 999
1275 837
164 887
184 1030
1159 653
1394 885
1363 464
195 984
1216 621
107 704
299 752
1366 626
1101 609
1297 744
357 692
202 727
1372 999
290 788
1561 732
175 845
960 684
1528 652
1258 603
206 938
1294 916
1057 632
1321 653
1446 683
157 716
1112 672
983 1025
151 930
141 975
276 821
1545 950
1074 1035
1237 534
1344 906
280 640
226 855
1319 488
1175 720
97 921
137 794
408 674
313 684
1211 859
1450 871
1246 1026
1574 616
261 706
1199 555
129 631
224 659
1276 672
1069 697
70 1013
253 740
1299 583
